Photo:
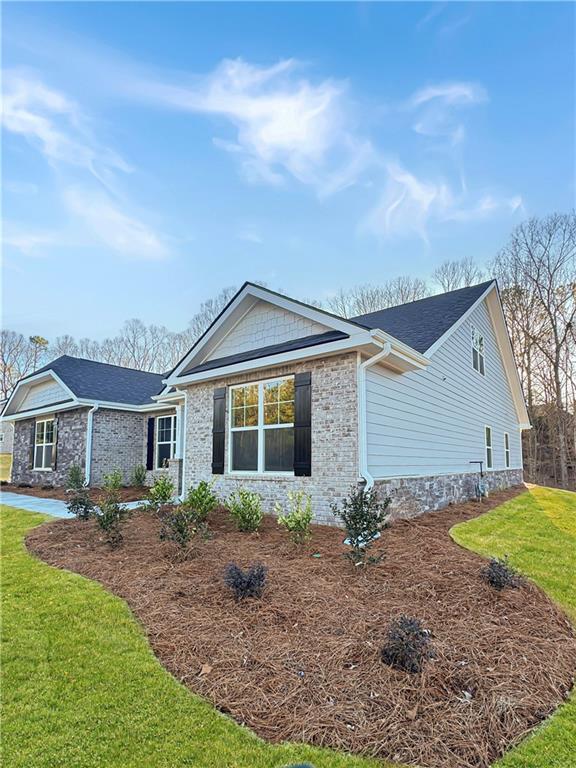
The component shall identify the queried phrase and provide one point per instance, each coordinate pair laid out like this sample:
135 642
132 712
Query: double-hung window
488 443
506 450
44 444
165 440
478 351
262 427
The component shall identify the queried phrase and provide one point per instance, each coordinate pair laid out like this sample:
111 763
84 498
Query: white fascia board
256 293
271 361
20 416
123 406
37 378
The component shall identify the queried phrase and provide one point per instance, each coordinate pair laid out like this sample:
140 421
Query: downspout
89 430
183 440
362 417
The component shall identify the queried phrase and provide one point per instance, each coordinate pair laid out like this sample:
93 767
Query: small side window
478 351
488 443
507 449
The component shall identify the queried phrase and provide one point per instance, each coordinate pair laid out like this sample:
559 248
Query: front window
477 351
44 444
488 441
262 427
165 440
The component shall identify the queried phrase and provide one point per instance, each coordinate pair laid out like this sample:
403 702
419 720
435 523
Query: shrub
408 645
248 583
178 527
75 478
161 493
139 475
364 516
201 500
113 481
110 517
297 521
500 574
246 508
80 504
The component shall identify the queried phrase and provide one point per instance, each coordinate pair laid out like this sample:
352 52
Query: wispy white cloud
436 107
27 242
250 236
409 205
286 126
111 225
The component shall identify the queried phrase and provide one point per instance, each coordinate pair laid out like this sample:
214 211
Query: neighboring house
97 416
278 395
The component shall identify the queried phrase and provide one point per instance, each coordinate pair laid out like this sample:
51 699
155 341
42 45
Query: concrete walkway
53 507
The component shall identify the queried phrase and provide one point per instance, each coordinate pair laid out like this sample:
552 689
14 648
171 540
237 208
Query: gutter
89 431
362 428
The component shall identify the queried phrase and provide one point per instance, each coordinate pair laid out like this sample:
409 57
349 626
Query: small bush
408 645
500 574
201 500
246 508
178 527
110 517
80 504
75 479
161 493
113 481
248 583
364 515
297 521
138 476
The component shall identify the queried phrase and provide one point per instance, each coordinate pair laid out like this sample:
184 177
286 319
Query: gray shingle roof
101 381
421 323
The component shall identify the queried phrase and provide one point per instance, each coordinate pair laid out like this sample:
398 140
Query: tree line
536 273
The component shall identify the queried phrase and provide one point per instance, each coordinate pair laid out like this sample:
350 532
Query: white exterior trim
35 378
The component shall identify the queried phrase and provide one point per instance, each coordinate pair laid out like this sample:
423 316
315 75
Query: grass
82 688
5 466
538 532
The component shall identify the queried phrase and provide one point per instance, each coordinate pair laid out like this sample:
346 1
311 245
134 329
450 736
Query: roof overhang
403 358
25 385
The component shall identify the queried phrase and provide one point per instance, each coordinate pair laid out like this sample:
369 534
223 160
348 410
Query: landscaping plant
80 504
139 475
408 645
113 481
178 527
297 520
75 479
246 508
364 515
201 500
161 493
110 517
500 574
248 583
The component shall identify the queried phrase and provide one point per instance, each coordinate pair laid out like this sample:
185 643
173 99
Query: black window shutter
55 446
303 424
32 445
218 431
150 444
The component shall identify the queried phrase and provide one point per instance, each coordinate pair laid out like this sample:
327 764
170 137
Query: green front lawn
538 532
82 688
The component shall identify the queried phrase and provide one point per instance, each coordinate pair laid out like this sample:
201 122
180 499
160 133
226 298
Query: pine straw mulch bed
126 493
303 662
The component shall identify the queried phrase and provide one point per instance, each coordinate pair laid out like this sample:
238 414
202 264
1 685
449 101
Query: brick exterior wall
413 496
334 436
118 442
71 449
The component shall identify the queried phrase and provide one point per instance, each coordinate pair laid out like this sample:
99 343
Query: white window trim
506 450
481 355
489 447
261 427
172 443
43 445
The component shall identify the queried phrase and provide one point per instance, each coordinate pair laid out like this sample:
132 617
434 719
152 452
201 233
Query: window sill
42 469
259 475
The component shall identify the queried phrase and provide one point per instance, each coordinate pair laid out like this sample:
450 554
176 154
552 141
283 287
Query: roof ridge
100 362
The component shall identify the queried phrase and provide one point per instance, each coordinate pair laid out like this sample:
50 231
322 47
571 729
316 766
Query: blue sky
155 153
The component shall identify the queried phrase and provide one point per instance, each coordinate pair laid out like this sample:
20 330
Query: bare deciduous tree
363 299
451 275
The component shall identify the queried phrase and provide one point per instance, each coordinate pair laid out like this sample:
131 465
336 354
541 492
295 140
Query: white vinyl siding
432 422
43 394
